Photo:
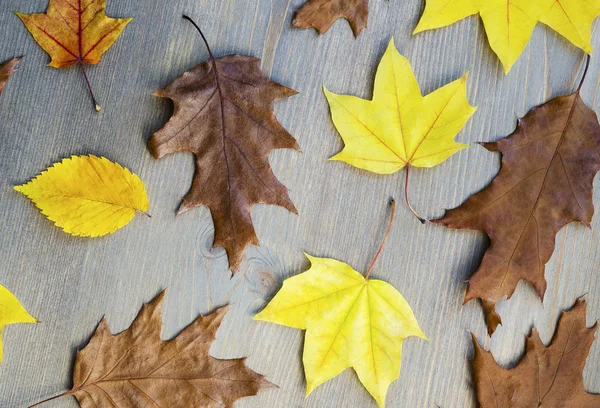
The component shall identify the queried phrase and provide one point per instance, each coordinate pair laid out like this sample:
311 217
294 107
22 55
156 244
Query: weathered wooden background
70 283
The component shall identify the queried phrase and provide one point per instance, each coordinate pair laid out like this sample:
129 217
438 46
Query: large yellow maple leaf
87 195
400 127
74 32
510 23
350 321
11 312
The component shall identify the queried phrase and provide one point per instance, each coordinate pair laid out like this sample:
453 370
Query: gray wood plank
70 283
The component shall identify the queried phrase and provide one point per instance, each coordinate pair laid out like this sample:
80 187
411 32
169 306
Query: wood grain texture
70 283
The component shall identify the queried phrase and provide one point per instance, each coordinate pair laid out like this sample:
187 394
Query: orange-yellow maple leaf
74 32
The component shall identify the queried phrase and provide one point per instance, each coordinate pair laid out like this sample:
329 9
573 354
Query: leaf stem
387 234
585 71
89 85
212 57
213 61
64 394
412 210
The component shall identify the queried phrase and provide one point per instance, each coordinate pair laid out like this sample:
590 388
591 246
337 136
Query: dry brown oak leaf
136 368
545 182
7 70
546 377
321 14
223 114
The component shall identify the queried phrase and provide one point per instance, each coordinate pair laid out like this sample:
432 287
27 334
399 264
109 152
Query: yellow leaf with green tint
400 127
350 321
510 23
11 312
87 195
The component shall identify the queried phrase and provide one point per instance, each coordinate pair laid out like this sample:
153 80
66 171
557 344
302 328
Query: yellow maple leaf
87 195
350 321
400 127
573 20
11 312
74 32
510 23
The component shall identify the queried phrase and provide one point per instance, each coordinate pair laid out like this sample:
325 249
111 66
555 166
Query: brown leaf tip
266 384
7 69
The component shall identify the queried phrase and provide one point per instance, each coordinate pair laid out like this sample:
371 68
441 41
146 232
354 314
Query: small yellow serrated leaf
349 321
400 127
11 312
87 195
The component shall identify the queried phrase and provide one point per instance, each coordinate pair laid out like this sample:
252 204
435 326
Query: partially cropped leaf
400 127
545 182
546 377
321 14
223 114
350 321
573 20
74 31
136 369
11 312
87 195
7 70
509 24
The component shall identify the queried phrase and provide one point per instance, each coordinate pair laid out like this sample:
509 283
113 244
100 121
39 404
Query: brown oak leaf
223 114
7 70
545 182
135 368
548 377
321 14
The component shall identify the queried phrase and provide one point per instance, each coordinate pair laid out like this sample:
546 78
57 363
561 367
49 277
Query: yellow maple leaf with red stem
75 32
350 321
400 127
